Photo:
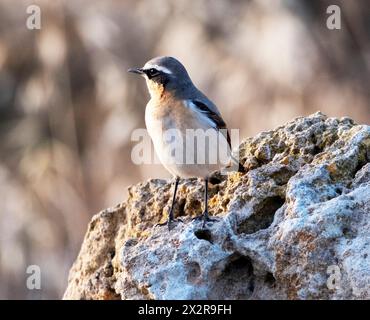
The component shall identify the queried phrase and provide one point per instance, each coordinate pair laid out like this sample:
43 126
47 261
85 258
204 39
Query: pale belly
186 147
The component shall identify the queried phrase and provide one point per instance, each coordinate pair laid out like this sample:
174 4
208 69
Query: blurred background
68 107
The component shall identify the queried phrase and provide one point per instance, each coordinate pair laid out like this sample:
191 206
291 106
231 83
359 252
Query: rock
296 225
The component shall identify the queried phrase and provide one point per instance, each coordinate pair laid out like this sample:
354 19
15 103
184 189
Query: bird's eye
152 71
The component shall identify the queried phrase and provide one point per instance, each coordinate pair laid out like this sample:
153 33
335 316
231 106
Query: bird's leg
205 216
170 215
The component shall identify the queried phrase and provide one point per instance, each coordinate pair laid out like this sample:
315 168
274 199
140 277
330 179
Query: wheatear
177 110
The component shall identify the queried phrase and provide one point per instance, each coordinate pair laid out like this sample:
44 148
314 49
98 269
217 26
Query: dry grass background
68 107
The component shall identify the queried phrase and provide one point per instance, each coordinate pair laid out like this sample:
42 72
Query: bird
177 106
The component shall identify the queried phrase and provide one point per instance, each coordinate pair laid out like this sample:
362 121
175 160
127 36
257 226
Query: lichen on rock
301 210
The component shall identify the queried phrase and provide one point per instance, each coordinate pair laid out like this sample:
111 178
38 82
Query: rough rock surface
296 225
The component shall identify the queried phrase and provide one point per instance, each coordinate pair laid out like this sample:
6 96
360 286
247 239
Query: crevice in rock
236 281
339 190
359 166
193 272
362 160
270 279
216 178
251 285
262 162
348 233
204 234
263 217
282 176
112 253
316 150
180 208
361 163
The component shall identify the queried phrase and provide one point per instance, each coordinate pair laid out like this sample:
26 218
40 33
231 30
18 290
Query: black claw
169 222
205 218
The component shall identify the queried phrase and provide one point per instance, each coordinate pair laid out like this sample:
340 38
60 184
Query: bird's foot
205 218
169 223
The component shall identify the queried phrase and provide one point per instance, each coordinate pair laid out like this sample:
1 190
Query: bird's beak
136 70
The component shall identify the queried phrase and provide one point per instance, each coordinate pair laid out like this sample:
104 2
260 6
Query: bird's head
164 74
